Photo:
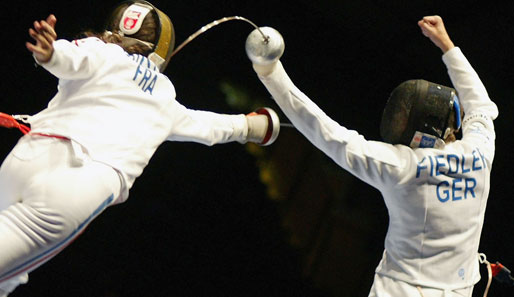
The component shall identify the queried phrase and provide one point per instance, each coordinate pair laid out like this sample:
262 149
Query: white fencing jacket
120 108
436 198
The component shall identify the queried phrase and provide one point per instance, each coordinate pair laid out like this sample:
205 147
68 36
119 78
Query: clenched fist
433 28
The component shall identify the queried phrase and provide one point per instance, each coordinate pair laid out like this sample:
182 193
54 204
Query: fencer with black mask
435 187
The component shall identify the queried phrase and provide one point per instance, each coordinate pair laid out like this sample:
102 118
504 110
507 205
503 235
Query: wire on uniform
483 260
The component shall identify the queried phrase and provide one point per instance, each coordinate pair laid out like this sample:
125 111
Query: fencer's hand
433 28
264 70
44 35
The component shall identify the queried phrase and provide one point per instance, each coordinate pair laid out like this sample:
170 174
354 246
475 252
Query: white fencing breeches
384 286
46 200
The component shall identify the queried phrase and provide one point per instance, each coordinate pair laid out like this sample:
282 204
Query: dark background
283 220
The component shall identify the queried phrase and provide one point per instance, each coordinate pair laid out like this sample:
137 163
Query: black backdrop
198 222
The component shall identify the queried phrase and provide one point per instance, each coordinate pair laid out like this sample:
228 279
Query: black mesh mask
417 114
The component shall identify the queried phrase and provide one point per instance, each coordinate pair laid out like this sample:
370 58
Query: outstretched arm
206 127
433 28
44 35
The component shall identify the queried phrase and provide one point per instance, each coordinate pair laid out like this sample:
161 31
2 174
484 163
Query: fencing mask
127 20
420 114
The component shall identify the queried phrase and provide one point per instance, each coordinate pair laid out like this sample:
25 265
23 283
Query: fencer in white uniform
436 197
85 150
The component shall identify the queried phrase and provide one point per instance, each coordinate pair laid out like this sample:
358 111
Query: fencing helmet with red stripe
420 114
127 20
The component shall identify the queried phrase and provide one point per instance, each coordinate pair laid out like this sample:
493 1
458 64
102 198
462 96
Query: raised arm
479 110
64 59
376 163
